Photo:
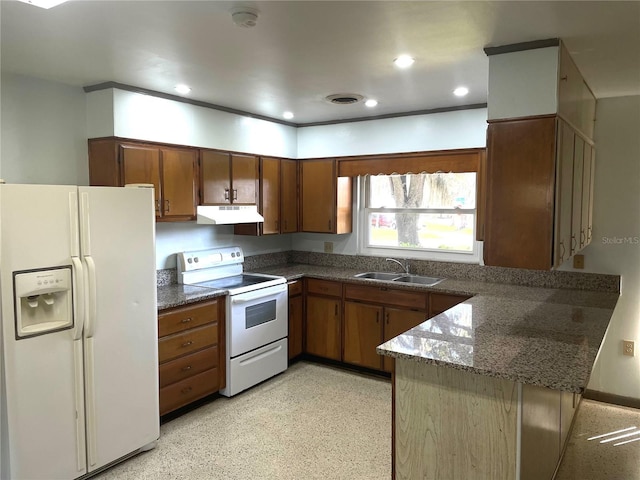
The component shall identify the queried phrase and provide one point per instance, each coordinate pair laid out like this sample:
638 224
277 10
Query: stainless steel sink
379 275
429 281
400 277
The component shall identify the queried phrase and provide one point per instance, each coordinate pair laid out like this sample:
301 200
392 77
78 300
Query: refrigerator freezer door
121 338
43 430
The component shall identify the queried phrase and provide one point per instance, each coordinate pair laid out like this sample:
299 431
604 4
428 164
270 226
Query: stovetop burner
237 281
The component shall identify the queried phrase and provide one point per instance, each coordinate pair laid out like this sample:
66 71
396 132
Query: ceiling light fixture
44 3
287 115
183 89
371 103
246 17
404 61
461 91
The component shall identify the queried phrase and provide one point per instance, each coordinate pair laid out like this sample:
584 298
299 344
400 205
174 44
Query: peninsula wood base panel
453 424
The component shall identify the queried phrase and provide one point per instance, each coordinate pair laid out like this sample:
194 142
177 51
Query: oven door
256 318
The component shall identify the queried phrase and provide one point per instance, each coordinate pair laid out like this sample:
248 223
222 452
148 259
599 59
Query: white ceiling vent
344 98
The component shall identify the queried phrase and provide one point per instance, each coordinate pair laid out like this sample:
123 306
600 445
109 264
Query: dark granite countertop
176 295
540 336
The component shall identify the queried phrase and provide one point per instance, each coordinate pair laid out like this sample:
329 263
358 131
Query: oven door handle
245 297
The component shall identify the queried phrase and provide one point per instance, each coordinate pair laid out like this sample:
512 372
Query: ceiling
302 51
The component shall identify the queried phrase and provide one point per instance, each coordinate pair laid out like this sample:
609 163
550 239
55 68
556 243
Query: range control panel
216 257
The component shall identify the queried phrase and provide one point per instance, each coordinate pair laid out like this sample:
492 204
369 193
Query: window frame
364 248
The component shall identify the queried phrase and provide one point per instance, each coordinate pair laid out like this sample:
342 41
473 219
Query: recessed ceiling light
183 89
461 91
44 3
288 115
404 61
371 102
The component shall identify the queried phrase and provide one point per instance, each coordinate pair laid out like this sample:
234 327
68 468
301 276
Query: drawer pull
187 368
186 344
185 320
186 389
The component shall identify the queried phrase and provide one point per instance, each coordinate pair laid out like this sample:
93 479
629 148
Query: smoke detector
246 17
344 98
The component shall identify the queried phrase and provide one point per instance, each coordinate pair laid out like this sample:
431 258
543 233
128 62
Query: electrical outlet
328 247
578 261
628 348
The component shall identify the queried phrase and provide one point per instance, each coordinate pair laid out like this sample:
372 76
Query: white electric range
256 314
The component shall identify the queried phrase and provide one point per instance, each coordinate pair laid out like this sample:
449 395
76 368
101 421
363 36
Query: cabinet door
318 185
323 327
568 405
215 175
590 216
270 194
179 183
142 165
564 192
244 176
295 326
362 334
396 322
288 196
576 215
585 235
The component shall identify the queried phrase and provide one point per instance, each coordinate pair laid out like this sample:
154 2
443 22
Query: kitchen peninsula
489 388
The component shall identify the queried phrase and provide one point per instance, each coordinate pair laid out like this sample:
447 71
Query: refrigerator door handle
79 400
90 322
78 292
92 455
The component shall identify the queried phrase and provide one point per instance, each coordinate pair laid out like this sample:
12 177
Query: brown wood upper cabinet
278 200
228 178
172 171
539 193
325 197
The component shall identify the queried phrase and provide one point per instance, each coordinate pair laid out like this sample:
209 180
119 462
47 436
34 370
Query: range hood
228 214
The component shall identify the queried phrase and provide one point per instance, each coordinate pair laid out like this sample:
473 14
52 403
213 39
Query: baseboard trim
611 398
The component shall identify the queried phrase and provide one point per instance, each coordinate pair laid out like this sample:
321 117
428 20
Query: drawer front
295 288
181 393
386 296
188 317
187 366
324 287
183 343
440 302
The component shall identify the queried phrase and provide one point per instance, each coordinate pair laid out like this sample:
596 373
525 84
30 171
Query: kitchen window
427 215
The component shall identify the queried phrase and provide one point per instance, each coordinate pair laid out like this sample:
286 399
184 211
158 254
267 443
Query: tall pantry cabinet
540 163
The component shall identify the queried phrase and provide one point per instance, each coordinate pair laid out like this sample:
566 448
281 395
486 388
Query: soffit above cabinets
300 52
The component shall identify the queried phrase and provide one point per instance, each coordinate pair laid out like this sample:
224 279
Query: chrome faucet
404 267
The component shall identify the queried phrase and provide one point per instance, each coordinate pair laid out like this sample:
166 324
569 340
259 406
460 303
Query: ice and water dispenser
43 301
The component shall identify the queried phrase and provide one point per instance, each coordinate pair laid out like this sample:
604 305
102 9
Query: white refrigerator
79 329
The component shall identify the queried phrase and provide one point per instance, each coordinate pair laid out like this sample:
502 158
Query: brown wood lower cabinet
441 302
295 319
324 325
362 333
191 353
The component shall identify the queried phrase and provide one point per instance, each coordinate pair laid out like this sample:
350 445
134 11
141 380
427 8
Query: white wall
616 238
523 83
145 117
415 133
178 237
43 131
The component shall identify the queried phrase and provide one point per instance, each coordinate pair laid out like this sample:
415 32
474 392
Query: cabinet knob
226 194
185 320
168 204
186 344
583 238
186 389
563 78
562 251
235 193
157 206
187 368
574 244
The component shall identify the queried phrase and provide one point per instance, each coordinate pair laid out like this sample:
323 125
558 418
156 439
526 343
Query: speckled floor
311 422
319 422
587 458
